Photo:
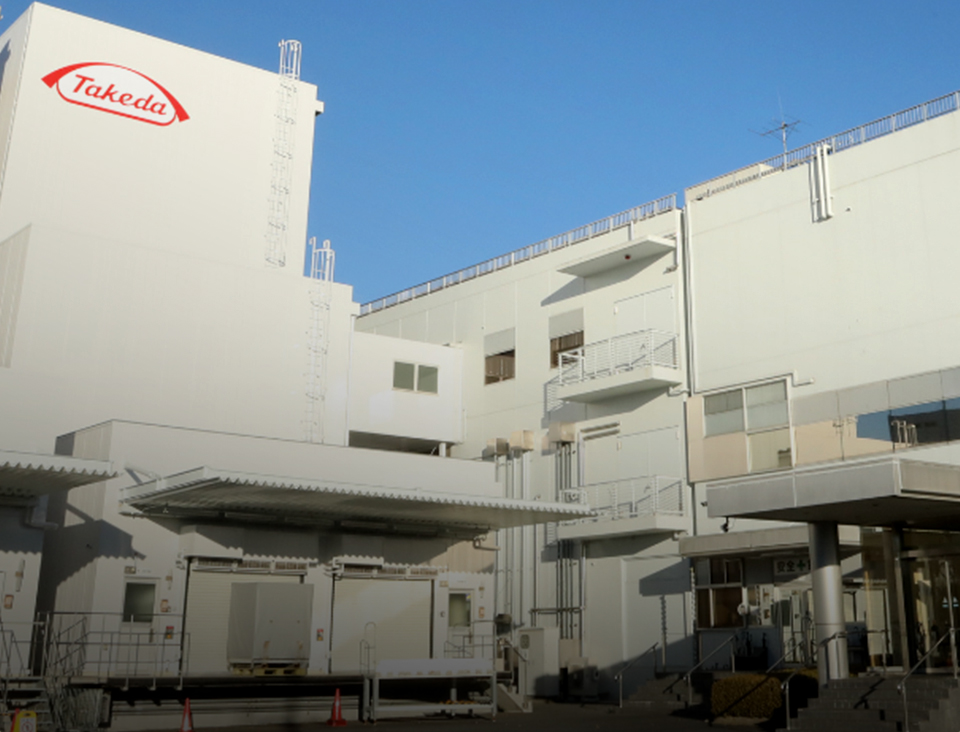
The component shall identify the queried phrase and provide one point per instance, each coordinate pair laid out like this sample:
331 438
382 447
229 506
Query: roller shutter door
401 610
208 615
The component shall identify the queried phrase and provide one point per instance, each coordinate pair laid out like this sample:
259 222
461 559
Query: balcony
625 364
641 505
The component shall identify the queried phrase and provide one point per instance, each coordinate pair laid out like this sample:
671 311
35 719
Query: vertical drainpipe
688 340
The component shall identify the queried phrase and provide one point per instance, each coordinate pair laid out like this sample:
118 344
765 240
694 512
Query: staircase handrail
689 672
785 688
783 657
619 675
902 686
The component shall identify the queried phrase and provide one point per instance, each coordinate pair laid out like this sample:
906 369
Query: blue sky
459 130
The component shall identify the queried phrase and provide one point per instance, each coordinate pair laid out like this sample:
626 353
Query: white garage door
399 608
208 615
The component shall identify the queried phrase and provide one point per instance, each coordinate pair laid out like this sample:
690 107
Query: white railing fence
603 226
629 497
619 354
834 144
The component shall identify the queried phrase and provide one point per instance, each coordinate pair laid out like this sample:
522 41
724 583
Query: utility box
269 630
562 432
540 647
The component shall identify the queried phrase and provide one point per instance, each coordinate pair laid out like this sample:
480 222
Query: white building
158 336
649 409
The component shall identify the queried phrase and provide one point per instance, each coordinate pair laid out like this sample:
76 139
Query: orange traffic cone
186 724
336 714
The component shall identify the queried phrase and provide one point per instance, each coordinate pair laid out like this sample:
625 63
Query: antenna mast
782 128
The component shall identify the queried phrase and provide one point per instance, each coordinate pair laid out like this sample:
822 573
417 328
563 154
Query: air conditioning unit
498 446
562 432
521 440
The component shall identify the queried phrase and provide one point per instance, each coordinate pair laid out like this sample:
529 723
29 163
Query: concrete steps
669 692
873 704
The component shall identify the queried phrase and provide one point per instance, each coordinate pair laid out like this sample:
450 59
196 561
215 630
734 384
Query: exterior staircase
873 704
669 691
27 693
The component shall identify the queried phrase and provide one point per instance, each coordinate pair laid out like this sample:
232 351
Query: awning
24 475
876 492
762 542
210 492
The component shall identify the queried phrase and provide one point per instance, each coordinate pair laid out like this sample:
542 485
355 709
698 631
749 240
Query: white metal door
208 614
400 611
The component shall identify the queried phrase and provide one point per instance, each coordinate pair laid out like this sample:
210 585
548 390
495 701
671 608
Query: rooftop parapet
574 236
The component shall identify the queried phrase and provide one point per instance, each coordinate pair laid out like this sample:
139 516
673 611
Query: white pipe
827 197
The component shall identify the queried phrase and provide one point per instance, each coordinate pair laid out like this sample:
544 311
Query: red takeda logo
118 90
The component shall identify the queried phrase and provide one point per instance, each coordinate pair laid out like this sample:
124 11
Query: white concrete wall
376 407
132 255
649 428
197 188
102 543
20 552
864 296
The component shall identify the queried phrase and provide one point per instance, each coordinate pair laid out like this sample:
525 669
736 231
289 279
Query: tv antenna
783 127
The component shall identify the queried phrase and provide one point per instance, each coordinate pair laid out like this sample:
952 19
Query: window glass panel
921 424
723 413
717 575
767 393
499 367
403 375
564 343
762 416
427 377
723 423
703 609
726 600
459 606
767 406
953 418
701 570
733 571
769 450
874 426
138 600
724 402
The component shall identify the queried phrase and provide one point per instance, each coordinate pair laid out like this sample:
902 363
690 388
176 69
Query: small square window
427 378
138 600
562 344
723 413
500 367
403 375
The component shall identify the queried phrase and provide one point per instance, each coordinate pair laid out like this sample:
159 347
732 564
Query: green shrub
759 695
745 695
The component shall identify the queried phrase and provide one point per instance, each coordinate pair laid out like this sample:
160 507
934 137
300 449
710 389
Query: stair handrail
785 688
823 643
619 675
902 686
733 665
783 657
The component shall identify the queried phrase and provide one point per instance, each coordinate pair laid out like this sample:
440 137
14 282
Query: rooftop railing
835 143
582 233
618 355
629 498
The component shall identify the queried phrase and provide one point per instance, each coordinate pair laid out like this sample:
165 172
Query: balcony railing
618 355
629 497
582 233
834 144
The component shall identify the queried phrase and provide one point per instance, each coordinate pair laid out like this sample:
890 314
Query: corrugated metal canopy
25 475
206 492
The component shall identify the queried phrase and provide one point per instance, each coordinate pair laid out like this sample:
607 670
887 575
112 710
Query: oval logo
118 90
